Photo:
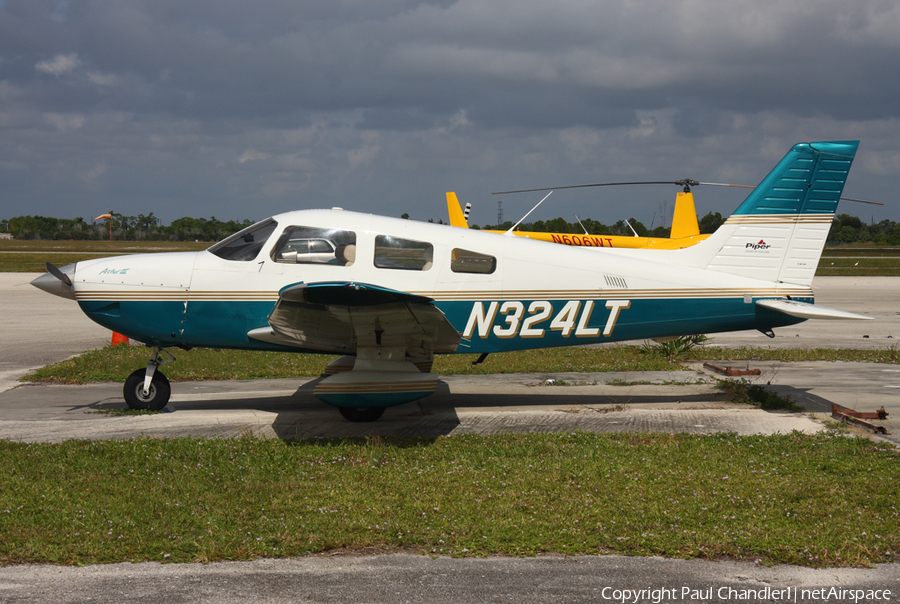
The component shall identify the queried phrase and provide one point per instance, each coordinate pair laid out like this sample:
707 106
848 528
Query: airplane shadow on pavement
300 415
802 398
294 413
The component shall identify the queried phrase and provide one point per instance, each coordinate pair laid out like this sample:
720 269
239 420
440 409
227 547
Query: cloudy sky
244 109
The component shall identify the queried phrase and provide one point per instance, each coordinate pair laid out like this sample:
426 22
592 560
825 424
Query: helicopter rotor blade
874 203
725 184
686 183
599 184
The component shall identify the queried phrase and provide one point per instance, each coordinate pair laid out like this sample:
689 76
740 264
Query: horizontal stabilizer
803 310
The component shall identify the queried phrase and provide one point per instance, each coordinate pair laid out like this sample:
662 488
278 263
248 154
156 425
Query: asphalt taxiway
402 578
39 329
686 401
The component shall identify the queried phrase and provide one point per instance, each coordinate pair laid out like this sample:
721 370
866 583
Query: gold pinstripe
178 296
455 295
613 293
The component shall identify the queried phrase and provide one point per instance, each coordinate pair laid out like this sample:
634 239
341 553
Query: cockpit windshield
245 245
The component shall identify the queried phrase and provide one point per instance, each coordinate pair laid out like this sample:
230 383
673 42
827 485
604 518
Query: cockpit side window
403 254
312 245
245 245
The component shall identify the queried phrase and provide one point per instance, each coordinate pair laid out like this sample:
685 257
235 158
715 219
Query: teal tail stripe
809 180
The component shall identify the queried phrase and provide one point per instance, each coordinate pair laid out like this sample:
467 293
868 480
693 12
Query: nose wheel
152 399
148 389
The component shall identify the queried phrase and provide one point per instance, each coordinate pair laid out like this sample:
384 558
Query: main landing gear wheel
364 414
153 400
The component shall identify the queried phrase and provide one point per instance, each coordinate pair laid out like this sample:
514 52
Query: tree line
124 228
844 229
850 229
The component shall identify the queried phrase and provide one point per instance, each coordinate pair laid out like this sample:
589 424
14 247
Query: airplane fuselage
534 294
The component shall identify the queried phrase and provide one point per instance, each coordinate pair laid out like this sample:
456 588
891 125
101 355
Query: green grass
859 271
856 261
100 247
31 256
860 250
37 263
809 500
890 355
114 364
741 391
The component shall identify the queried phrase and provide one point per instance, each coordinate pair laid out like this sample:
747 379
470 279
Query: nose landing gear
148 389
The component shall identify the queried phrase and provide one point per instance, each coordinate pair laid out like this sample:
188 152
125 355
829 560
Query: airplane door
228 299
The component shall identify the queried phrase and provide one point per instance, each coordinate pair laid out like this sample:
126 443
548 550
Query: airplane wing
341 318
808 311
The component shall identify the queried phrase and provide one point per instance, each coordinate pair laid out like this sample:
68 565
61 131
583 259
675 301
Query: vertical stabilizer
684 220
457 218
779 232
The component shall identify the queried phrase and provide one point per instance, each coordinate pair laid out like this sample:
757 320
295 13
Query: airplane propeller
55 282
59 274
687 183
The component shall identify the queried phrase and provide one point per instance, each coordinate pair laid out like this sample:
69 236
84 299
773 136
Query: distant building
5 236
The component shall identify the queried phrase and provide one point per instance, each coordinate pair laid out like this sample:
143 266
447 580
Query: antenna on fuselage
513 227
632 228
582 226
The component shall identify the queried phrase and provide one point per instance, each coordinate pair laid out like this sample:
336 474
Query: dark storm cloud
197 107
251 60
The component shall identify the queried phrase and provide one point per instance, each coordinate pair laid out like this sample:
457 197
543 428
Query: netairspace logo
708 594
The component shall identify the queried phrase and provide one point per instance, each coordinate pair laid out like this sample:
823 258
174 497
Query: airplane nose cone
53 285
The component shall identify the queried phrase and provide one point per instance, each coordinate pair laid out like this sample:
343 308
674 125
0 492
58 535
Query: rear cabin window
466 261
313 245
245 245
403 254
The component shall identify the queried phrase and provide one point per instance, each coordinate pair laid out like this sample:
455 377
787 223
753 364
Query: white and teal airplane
388 294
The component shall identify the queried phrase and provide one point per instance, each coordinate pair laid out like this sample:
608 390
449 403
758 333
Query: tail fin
684 220
779 232
457 218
